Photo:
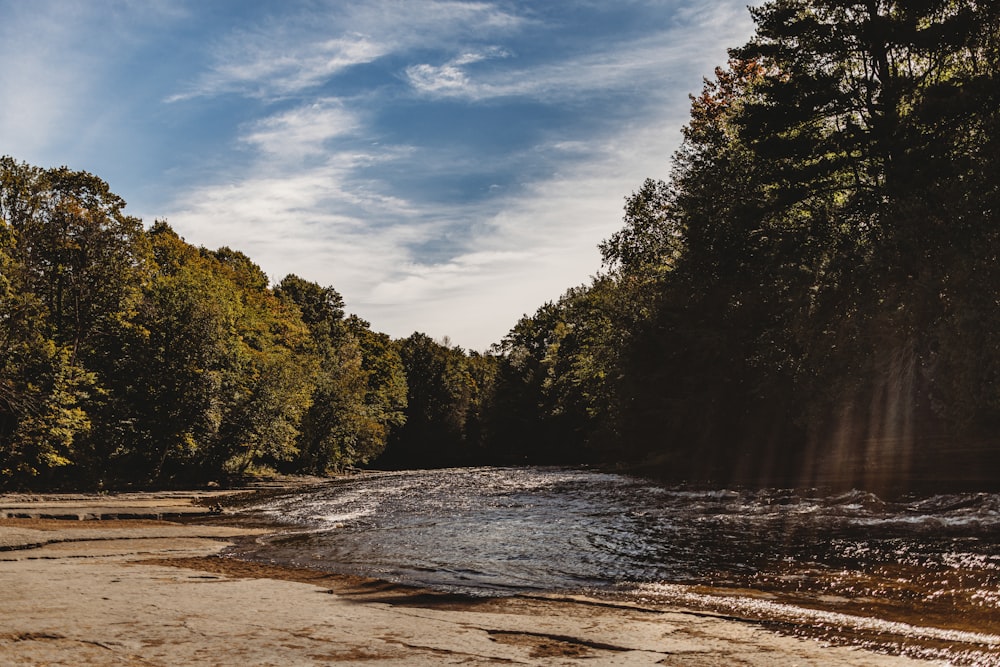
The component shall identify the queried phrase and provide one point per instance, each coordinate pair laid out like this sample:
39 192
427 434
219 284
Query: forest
811 296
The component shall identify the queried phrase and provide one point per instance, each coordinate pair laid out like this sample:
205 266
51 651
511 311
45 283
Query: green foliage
554 389
71 266
84 258
386 390
131 356
359 390
214 370
322 308
815 286
40 415
335 431
649 241
447 391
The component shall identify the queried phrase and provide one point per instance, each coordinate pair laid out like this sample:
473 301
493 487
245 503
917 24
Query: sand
147 591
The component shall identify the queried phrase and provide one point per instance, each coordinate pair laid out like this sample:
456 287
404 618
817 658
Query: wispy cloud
41 83
528 248
447 165
450 77
295 54
308 223
605 69
408 23
63 63
302 131
317 193
265 66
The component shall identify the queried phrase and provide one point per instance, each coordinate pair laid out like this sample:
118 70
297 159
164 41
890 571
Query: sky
447 166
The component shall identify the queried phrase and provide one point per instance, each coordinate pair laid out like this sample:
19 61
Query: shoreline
156 592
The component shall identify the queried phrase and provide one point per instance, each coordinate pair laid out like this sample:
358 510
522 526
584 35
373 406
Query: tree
877 111
212 368
555 394
84 258
441 396
359 389
650 239
40 390
322 308
386 395
806 270
72 262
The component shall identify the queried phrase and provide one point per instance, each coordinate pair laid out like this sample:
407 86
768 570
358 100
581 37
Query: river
917 575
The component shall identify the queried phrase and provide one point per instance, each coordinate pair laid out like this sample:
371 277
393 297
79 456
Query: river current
917 575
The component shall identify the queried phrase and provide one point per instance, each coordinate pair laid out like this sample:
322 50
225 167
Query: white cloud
615 66
407 23
450 77
315 218
535 247
272 66
296 54
303 131
308 200
309 192
293 223
427 78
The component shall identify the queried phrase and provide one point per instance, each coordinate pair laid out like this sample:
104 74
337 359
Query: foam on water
757 608
957 647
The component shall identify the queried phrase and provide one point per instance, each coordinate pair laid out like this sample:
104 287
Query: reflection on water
918 575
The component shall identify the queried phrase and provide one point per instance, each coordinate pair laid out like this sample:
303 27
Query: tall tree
214 370
359 387
386 395
41 391
823 217
442 394
73 265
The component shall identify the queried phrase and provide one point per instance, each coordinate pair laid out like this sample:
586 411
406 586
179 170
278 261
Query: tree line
814 288
131 356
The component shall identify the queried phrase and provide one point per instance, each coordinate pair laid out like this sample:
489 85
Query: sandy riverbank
152 592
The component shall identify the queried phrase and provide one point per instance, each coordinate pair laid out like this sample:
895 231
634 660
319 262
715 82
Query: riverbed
916 576
79 589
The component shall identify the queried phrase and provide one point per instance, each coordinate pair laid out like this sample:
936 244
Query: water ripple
920 572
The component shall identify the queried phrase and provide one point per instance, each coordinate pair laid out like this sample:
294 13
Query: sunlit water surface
919 576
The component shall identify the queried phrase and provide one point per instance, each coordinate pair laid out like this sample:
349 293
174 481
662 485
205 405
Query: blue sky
448 166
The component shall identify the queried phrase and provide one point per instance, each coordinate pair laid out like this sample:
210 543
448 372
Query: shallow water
919 576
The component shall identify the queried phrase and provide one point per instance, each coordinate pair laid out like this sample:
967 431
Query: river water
918 575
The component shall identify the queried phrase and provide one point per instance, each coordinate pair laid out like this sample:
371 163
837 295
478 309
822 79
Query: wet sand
146 591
